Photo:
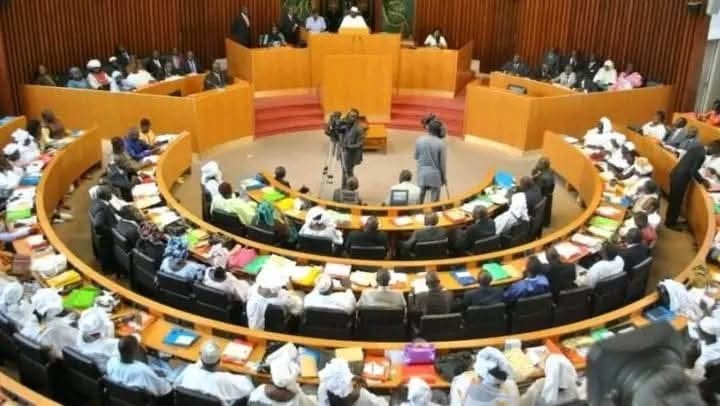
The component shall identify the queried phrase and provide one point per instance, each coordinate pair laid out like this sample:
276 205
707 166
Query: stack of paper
398 278
567 250
151 159
455 215
419 219
145 190
469 207
339 271
165 138
601 232
419 285
340 218
362 278
608 211
237 352
251 184
402 221
586 240
117 203
305 275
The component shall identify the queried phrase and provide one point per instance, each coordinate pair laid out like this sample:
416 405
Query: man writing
351 143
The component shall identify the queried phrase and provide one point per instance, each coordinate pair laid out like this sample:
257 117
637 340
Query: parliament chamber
157 253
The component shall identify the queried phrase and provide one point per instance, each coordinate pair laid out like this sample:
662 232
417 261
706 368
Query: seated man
483 226
435 300
127 371
634 252
227 201
129 224
323 297
609 265
280 174
76 80
45 326
349 194
221 279
561 275
436 40
203 376
368 237
102 218
216 78
516 213
353 20
97 78
315 22
146 132
137 77
382 297
211 177
606 76
137 148
484 294
413 190
431 232
319 223
274 39
269 289
535 282
516 67
656 128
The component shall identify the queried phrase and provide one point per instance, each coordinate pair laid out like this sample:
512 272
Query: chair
537 220
174 291
441 327
374 324
260 235
188 397
638 280
367 252
485 321
276 320
227 221
431 249
710 387
609 294
8 350
532 313
36 366
572 305
121 250
143 272
399 197
517 235
216 304
83 375
315 245
327 323
349 197
485 245
121 395
206 203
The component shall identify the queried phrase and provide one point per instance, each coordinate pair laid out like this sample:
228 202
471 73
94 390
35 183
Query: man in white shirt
323 297
609 265
125 370
353 20
656 128
315 23
203 377
406 185
137 77
436 40
96 336
269 289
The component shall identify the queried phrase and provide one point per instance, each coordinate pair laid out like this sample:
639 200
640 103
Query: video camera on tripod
336 127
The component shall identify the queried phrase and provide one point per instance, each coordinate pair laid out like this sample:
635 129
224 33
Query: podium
363 82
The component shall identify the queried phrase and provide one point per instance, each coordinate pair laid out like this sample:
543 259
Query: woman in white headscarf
319 223
516 212
338 386
45 327
489 384
13 306
606 76
96 336
558 387
419 393
27 147
269 288
600 136
283 389
211 177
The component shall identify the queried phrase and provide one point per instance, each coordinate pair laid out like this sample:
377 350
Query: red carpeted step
456 104
288 126
288 112
286 101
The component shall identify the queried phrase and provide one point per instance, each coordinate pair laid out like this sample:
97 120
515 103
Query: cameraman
351 144
430 154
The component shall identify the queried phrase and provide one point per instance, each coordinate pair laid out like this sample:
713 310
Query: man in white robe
96 337
323 297
353 20
45 327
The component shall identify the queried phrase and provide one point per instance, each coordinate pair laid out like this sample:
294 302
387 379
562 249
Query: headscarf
489 358
177 248
609 64
680 300
151 233
210 170
419 393
518 206
94 64
323 283
11 294
559 374
337 378
268 279
93 321
265 214
20 136
606 125
284 372
319 217
10 149
210 353
47 302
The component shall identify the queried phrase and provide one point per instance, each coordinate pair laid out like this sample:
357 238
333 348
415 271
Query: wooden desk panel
363 82
535 89
9 127
428 71
280 68
498 115
239 60
184 85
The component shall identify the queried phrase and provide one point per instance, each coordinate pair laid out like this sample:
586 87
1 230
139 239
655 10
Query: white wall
714 27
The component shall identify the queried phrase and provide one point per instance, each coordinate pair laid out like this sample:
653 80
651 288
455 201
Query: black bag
453 364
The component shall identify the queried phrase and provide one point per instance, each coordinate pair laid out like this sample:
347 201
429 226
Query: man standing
351 142
290 26
333 16
241 28
430 154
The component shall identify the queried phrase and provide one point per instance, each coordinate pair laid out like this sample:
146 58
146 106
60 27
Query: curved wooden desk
25 394
78 157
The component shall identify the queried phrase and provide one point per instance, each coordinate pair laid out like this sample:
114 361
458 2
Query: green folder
256 265
496 271
81 298
273 195
606 223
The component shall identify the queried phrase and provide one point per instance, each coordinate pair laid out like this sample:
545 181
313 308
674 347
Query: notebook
272 195
496 271
660 313
604 223
463 277
426 372
237 352
455 215
338 270
256 264
180 337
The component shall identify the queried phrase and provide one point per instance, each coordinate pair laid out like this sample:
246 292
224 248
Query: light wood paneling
363 82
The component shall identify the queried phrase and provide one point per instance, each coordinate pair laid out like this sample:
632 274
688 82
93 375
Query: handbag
419 353
240 256
451 365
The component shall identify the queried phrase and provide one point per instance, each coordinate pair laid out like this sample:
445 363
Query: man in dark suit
573 59
482 227
431 232
241 28
334 16
215 79
129 224
433 301
352 145
484 294
190 64
680 176
290 26
102 220
154 65
634 251
533 195
368 237
561 275
516 67
123 55
677 133
544 177
167 71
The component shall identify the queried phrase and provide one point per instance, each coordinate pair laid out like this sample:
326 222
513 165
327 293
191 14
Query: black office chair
38 370
327 323
441 327
144 270
216 304
83 376
485 245
188 397
399 197
174 291
485 321
537 220
8 349
380 325
122 395
349 197
315 245
260 235
276 320
206 203
532 313
572 305
710 387
94 238
229 222
609 294
367 252
431 249
637 284
517 235
121 251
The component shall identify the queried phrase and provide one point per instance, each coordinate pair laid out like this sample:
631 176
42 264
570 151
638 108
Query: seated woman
606 76
516 213
489 383
436 40
558 387
176 262
229 202
13 305
43 78
270 219
211 177
219 278
44 325
656 127
712 117
97 78
274 39
319 223
77 81
628 79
